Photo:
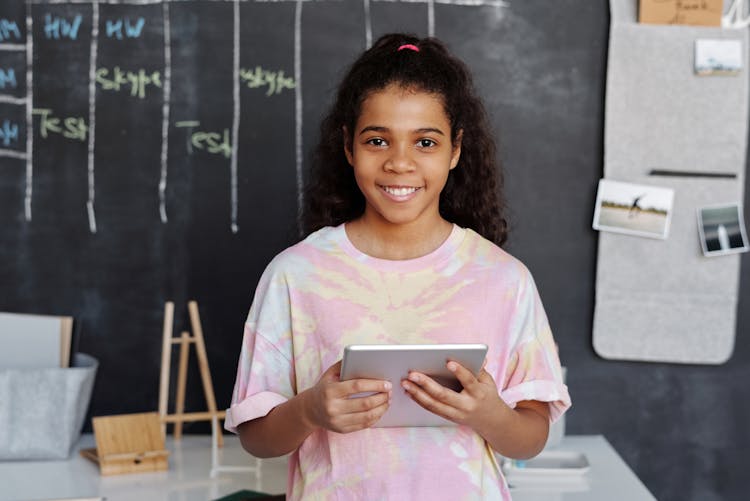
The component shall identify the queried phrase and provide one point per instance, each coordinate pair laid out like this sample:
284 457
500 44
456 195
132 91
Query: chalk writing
137 81
69 127
9 30
131 29
8 133
59 27
212 142
275 80
8 78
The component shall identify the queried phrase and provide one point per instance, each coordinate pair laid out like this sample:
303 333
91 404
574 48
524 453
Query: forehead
398 103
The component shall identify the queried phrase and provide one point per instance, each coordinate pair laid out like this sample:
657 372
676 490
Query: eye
376 141
426 143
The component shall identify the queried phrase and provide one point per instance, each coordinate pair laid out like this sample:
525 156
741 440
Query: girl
404 226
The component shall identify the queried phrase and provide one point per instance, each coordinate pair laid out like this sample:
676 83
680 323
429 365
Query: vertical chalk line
29 113
368 25
298 105
92 111
431 18
236 115
165 110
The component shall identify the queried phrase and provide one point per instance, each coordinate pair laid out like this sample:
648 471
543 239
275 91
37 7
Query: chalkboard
154 150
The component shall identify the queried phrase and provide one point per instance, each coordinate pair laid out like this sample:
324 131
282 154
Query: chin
399 220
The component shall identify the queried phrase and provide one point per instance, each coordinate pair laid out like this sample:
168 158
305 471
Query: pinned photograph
718 57
634 209
722 230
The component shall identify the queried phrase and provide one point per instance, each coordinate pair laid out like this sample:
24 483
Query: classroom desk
188 478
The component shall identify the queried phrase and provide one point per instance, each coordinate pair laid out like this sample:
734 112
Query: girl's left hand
477 405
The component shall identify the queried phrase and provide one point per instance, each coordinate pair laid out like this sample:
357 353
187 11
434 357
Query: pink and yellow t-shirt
322 294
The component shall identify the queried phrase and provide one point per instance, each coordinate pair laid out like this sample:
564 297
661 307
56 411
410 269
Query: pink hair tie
408 46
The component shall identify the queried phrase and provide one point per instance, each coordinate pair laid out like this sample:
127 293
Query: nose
399 161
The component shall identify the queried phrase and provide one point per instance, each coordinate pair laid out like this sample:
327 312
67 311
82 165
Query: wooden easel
128 443
185 340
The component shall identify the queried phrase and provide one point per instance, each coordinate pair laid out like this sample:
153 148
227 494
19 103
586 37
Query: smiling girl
405 223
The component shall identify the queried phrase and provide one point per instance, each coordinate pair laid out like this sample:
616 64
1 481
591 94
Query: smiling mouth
399 191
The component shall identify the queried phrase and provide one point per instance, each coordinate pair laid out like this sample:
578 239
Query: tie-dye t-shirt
322 294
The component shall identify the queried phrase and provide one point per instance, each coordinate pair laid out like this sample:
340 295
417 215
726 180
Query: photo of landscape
634 209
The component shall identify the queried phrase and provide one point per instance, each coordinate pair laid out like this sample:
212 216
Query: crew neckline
440 254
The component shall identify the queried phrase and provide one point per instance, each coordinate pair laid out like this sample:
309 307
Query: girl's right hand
330 404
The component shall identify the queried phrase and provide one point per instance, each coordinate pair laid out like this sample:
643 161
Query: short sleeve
265 372
533 371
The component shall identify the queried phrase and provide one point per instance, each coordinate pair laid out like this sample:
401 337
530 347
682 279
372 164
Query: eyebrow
380 128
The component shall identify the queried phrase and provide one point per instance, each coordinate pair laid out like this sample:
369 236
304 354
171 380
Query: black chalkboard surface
154 151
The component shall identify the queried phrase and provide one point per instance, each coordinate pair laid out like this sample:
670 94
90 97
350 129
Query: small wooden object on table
128 443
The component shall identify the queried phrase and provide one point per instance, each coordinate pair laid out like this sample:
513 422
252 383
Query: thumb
332 373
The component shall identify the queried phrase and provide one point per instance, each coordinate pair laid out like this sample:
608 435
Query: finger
434 389
335 402
364 404
427 401
464 375
355 421
332 373
357 386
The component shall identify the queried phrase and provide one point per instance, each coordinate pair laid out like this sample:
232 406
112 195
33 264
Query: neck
397 242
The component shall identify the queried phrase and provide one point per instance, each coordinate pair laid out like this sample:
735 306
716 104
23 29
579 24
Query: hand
330 405
477 405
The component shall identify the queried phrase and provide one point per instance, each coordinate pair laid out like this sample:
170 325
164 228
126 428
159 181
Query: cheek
361 180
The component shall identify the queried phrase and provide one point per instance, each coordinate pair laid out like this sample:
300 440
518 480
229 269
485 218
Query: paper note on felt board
692 12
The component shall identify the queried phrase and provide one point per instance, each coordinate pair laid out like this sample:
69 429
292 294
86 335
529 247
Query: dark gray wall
541 68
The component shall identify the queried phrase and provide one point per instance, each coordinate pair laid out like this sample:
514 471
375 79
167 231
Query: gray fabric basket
42 410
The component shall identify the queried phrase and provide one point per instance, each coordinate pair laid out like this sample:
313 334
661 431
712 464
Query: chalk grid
28 100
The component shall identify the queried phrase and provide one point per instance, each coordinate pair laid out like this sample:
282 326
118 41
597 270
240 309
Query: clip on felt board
128 443
691 12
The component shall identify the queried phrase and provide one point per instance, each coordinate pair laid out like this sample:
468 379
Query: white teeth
399 192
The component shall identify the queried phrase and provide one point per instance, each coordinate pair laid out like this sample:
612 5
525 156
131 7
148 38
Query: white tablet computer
392 362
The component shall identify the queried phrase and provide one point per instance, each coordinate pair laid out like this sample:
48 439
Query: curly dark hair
472 197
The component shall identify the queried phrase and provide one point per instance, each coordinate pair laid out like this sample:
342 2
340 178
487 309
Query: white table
188 477
608 478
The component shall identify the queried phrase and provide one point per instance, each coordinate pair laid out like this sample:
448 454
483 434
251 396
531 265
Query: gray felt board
663 300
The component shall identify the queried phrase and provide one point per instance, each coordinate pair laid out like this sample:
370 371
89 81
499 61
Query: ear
456 154
347 146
